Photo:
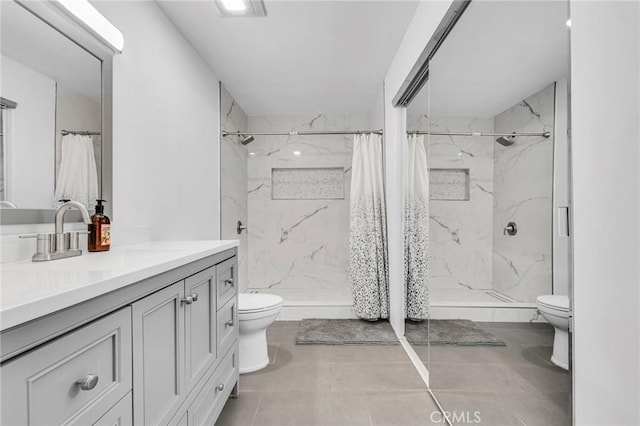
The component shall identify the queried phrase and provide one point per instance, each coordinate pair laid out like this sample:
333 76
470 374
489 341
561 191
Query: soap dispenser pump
99 230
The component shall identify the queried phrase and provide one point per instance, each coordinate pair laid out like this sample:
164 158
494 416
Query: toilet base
253 354
560 355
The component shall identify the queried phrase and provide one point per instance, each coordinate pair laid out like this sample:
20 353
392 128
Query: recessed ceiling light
297 153
568 22
241 8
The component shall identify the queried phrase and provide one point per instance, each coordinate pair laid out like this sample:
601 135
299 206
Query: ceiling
304 57
29 41
499 53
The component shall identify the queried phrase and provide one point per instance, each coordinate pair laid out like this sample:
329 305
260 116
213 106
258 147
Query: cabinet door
158 350
200 324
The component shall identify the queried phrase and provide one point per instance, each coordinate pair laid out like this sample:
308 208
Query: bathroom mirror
56 77
493 116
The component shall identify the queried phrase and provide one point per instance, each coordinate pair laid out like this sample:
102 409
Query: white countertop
29 290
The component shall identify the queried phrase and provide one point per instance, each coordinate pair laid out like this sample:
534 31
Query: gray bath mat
450 332
345 332
360 332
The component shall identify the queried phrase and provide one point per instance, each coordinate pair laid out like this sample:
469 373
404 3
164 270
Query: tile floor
378 385
330 386
508 385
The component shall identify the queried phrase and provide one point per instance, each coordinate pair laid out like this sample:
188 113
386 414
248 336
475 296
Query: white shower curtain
368 231
77 175
416 259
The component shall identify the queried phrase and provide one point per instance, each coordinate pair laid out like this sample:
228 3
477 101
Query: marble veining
300 246
468 247
460 231
523 185
233 181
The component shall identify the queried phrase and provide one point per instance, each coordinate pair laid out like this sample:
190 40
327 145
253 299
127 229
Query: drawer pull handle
220 387
228 323
88 383
194 297
228 281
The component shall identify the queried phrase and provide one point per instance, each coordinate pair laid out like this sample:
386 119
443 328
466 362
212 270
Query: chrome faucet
59 230
60 244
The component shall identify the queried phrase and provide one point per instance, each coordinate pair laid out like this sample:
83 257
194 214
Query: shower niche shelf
449 184
308 183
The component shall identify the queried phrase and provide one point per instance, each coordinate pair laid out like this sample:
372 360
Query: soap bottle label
105 234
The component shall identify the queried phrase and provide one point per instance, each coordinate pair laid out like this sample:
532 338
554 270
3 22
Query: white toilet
256 312
555 309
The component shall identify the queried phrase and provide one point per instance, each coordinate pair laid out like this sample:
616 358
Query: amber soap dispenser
99 230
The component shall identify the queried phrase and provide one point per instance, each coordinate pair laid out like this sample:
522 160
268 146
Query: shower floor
464 295
445 303
438 296
305 296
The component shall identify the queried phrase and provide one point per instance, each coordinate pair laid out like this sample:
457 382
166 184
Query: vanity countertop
29 290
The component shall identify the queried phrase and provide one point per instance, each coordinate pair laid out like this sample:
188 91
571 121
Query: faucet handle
45 244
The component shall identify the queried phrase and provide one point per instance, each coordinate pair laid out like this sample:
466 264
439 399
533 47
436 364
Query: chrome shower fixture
506 140
247 140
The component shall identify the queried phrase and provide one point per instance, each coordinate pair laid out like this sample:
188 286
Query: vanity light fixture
241 8
88 16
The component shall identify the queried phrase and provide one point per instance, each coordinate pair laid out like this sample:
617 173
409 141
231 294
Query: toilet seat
249 303
555 302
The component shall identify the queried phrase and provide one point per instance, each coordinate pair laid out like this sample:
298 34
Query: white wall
605 111
165 131
30 142
426 19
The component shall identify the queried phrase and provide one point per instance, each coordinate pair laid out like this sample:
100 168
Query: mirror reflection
51 118
493 120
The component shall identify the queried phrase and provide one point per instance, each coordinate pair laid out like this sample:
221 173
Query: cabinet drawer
120 414
227 280
227 325
209 404
39 387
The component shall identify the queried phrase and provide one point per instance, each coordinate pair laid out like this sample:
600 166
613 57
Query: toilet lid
251 302
558 302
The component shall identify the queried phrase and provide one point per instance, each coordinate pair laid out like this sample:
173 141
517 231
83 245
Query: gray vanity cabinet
163 350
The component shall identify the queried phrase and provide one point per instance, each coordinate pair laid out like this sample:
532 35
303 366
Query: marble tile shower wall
300 245
523 179
233 181
461 231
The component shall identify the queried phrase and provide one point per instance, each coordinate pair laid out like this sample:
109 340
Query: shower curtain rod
78 132
301 133
420 132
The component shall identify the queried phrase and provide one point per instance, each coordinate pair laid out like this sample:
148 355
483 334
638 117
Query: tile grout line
422 371
255 415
